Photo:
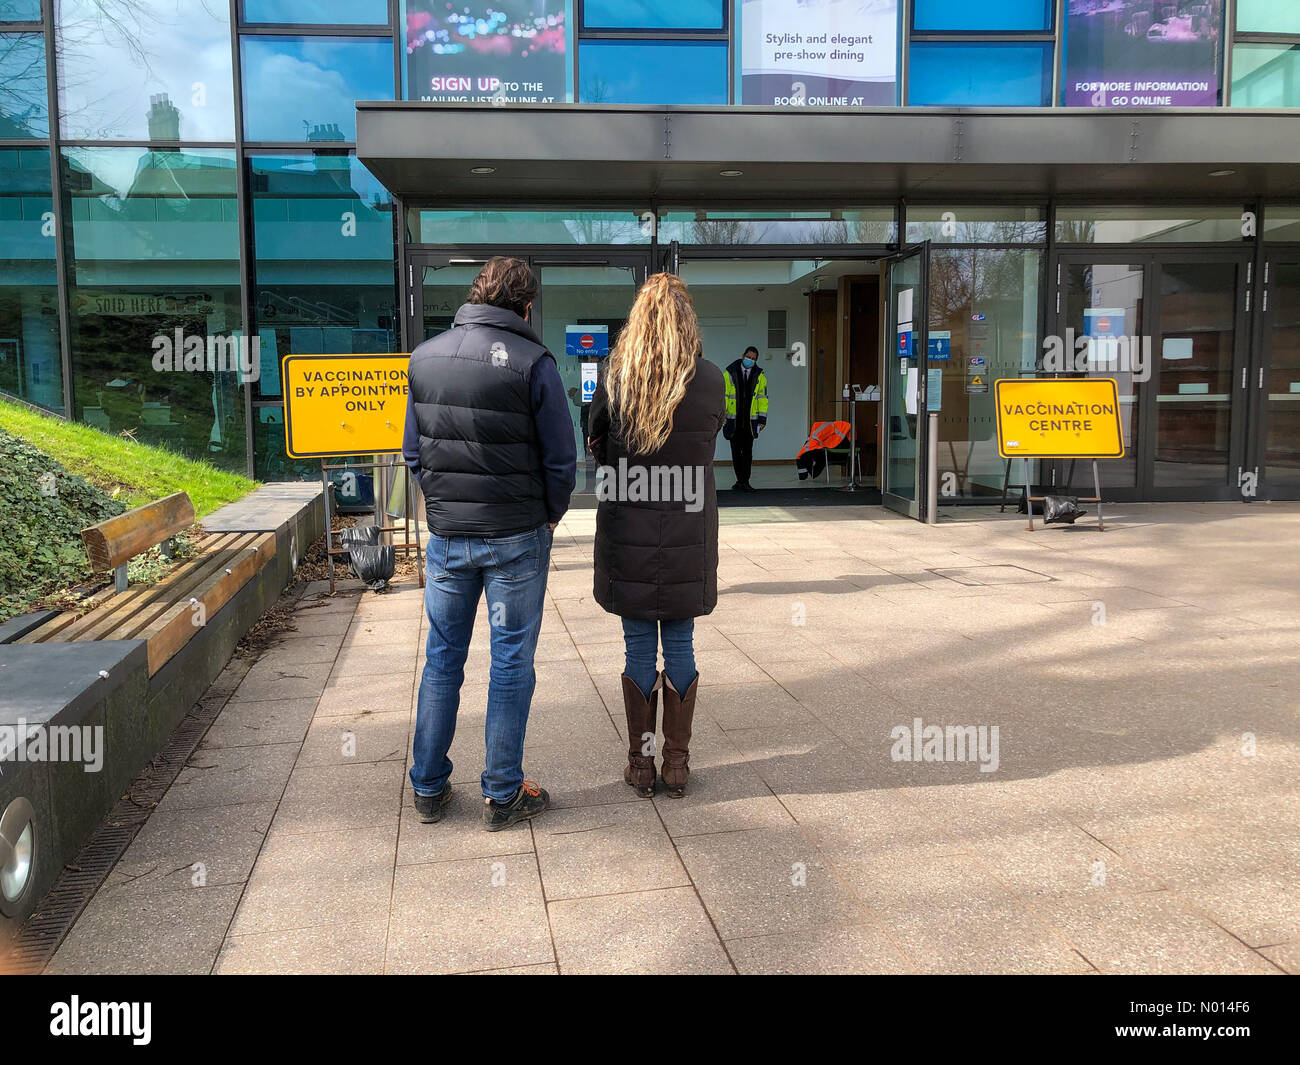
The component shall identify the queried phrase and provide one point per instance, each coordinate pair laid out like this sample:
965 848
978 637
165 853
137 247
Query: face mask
747 363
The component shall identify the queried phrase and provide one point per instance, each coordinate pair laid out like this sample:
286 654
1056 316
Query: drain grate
32 948
988 576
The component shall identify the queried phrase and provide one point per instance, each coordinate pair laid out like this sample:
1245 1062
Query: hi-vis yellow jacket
749 396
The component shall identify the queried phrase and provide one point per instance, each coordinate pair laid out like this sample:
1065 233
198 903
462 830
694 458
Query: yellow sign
338 405
1064 418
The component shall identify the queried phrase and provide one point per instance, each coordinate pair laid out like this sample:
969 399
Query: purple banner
1143 53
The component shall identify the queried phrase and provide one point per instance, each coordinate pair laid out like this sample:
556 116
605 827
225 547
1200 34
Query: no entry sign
586 340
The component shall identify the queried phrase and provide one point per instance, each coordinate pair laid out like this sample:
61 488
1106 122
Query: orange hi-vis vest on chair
824 435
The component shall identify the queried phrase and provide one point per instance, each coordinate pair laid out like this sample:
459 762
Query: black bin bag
373 564
1061 510
358 534
1036 490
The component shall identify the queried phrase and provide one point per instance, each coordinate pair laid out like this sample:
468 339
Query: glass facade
24 103
429 226
31 367
857 225
652 72
1001 74
317 12
984 302
1153 225
1266 75
151 240
315 83
654 14
151 70
1266 55
947 16
1268 16
197 182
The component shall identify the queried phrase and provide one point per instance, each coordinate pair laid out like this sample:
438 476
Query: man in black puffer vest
489 436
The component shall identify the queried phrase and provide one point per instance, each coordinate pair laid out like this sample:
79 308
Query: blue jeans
512 571
641 644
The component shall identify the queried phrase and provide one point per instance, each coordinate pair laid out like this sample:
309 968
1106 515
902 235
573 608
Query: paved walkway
1125 828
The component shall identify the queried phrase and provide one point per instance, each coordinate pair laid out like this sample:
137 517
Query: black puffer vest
480 467
658 560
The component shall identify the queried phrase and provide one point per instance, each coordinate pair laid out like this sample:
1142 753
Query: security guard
746 391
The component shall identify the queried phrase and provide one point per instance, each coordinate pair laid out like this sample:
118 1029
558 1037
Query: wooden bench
171 611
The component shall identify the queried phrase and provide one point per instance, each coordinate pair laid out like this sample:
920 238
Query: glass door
582 308
1275 466
438 286
903 484
1170 328
582 305
1198 378
1101 306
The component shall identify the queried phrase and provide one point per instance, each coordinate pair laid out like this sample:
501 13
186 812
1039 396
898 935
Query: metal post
415 520
932 469
1029 491
119 578
381 498
329 523
852 486
1096 485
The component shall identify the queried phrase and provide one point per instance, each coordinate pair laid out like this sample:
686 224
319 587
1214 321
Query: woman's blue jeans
641 641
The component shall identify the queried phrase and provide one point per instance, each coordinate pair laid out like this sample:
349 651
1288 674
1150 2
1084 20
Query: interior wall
732 299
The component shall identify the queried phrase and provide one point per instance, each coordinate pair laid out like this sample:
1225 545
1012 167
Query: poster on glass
819 53
506 51
1143 53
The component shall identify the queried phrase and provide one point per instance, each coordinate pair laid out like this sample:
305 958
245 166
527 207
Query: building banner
819 53
1143 53
512 51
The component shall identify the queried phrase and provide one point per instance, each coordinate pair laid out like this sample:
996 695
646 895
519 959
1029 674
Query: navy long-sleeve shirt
554 436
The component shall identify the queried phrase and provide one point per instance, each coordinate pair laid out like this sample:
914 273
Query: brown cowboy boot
679 711
641 713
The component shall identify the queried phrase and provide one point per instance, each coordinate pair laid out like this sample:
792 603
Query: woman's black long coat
658 559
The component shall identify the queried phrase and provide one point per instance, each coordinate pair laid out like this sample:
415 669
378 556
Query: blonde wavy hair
652 362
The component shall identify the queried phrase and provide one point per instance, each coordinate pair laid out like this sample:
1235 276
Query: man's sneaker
530 801
429 807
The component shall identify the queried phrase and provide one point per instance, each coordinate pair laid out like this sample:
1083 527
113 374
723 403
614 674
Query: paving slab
863 948
604 850
355 948
638 932
488 914
163 933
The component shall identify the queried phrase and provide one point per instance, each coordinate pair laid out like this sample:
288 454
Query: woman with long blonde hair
654 418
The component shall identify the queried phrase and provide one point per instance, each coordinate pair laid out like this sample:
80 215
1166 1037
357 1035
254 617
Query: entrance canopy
538 153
